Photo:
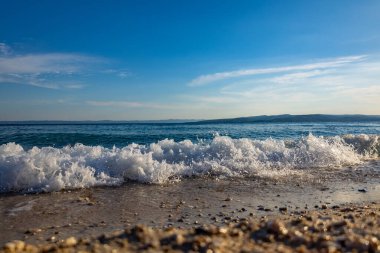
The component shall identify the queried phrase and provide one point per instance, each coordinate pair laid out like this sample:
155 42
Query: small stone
10 246
52 239
228 199
277 227
15 246
71 241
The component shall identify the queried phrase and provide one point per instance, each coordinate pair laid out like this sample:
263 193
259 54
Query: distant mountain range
288 118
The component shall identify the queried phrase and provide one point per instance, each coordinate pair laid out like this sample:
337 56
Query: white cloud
128 104
350 88
122 73
73 85
209 99
115 103
54 63
296 77
50 70
337 62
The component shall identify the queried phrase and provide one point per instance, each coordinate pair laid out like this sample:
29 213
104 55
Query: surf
51 169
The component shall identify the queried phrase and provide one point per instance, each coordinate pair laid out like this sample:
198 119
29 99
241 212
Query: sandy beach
346 228
320 210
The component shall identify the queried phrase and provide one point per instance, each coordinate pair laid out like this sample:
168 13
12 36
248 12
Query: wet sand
348 228
89 213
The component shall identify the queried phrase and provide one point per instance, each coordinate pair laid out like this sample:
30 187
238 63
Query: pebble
70 242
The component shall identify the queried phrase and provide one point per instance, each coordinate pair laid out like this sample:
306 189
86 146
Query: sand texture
345 228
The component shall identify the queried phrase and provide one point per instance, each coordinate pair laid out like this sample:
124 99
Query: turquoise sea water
119 135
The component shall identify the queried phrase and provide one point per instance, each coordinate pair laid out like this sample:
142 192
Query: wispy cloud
55 63
115 103
204 99
351 82
210 78
298 76
122 73
44 70
5 49
128 104
38 80
34 102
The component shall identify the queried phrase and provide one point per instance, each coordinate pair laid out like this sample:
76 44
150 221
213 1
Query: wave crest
50 169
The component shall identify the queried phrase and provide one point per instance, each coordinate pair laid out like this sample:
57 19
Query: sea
40 157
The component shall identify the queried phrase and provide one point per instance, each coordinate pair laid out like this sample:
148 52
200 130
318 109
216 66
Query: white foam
51 169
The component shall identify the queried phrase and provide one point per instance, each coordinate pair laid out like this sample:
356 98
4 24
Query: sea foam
78 166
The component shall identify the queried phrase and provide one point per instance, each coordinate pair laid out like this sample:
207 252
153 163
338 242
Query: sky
178 59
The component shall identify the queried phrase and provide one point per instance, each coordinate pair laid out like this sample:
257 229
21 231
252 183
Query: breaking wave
78 166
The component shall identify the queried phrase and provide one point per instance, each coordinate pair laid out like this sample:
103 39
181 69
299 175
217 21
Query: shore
302 212
336 229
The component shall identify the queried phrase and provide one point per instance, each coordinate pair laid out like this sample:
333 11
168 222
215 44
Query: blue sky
134 60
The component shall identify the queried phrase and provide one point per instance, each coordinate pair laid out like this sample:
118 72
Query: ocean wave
78 166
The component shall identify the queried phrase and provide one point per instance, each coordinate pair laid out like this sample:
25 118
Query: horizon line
185 120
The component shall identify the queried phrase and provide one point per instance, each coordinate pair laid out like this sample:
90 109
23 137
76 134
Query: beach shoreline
51 218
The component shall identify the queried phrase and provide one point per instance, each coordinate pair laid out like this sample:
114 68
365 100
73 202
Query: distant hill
288 118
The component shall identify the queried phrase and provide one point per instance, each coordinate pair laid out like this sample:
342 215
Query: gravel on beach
346 228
